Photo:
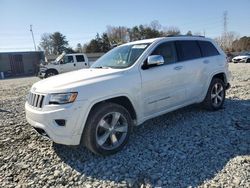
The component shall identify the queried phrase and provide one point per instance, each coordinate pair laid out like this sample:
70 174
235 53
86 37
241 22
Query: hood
69 81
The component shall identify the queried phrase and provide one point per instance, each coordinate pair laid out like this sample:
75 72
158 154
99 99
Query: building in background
20 63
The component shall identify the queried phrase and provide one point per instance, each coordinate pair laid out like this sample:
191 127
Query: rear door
81 62
189 54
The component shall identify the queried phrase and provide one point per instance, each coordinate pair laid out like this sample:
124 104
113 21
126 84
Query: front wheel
50 73
107 129
215 95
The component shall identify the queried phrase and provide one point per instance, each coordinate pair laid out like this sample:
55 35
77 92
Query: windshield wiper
102 67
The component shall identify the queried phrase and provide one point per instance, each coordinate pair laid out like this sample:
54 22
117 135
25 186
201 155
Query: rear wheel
216 95
107 129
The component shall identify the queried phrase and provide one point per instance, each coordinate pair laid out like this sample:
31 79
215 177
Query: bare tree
155 25
46 43
117 34
226 40
171 30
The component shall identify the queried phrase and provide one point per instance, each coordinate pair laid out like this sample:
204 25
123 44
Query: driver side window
68 59
167 51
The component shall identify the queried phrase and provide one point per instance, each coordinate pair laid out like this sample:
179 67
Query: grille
36 100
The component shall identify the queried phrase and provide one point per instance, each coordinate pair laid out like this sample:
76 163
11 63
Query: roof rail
185 36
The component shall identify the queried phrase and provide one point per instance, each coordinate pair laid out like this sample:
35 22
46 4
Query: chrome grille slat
39 101
36 100
33 98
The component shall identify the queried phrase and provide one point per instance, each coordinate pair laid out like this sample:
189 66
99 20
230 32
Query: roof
177 37
24 52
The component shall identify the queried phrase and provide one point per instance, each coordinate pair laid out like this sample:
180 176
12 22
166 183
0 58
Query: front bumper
43 120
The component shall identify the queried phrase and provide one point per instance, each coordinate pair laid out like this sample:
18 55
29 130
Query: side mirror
61 62
155 60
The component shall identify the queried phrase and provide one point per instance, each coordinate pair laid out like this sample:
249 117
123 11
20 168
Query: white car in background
242 58
64 63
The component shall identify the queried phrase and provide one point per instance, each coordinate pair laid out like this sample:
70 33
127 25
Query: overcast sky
79 20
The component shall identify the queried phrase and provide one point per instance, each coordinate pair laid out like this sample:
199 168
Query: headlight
62 98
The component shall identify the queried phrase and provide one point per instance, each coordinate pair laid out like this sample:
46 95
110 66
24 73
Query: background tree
143 32
79 48
242 44
46 43
189 33
59 43
171 31
95 45
117 35
226 41
106 45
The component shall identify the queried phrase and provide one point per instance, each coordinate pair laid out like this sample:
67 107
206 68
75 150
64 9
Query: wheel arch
121 100
52 69
221 75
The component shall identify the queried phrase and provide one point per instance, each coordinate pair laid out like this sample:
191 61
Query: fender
203 95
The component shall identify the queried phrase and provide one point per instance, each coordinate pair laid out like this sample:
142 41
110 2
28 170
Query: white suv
132 83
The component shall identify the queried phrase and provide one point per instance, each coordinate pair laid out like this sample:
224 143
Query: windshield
60 57
121 57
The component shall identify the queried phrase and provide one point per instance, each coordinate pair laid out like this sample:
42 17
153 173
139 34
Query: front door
67 64
163 86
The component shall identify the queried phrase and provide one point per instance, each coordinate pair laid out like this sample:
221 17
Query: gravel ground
190 147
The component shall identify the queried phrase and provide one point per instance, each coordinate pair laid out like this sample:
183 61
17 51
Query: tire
248 60
107 129
50 73
216 93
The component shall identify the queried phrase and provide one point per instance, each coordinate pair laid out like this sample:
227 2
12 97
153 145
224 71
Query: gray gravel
186 148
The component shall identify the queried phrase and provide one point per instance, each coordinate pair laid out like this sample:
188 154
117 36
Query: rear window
188 50
80 58
208 49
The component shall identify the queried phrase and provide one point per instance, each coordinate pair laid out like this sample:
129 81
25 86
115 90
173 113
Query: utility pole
225 20
33 37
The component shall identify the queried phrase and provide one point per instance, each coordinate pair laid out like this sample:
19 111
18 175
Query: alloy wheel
111 130
217 94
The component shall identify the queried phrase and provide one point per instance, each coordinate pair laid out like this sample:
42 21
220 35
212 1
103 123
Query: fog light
60 122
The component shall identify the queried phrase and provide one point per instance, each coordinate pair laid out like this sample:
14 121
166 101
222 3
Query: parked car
134 82
244 58
64 63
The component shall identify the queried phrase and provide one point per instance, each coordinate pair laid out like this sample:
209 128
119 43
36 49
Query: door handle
178 68
74 64
206 61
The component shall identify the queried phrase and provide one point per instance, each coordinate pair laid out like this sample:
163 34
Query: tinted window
188 50
68 59
80 58
167 50
208 49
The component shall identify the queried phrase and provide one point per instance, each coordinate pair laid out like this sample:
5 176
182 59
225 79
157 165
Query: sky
81 20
